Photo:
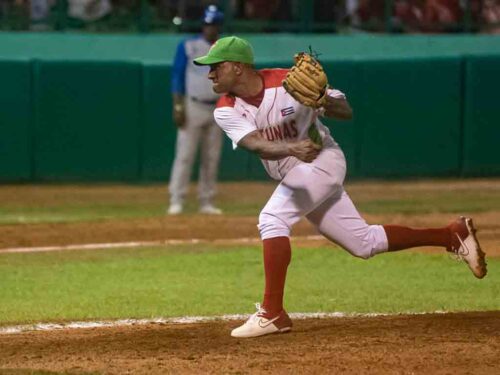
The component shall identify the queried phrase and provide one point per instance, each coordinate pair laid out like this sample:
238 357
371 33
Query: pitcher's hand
305 150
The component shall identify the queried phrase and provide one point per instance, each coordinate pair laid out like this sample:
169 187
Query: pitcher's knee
370 242
271 226
361 250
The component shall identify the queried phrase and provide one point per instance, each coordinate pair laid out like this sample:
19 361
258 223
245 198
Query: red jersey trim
273 77
226 101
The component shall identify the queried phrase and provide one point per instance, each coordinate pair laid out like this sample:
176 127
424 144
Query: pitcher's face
223 76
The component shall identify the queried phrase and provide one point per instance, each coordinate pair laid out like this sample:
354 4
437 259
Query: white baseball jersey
279 118
314 190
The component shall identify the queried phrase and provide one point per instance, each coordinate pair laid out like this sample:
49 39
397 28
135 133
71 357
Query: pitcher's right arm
304 150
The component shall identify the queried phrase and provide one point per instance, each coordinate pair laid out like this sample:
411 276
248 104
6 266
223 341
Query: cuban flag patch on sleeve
287 111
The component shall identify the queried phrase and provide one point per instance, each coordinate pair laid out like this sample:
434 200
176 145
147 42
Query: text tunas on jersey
280 132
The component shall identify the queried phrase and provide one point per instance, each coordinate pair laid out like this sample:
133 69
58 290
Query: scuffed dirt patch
423 344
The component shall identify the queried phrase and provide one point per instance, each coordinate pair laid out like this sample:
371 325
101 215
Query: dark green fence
79 110
16 115
88 120
481 117
410 117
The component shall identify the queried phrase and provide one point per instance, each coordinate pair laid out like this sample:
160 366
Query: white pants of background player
315 190
200 129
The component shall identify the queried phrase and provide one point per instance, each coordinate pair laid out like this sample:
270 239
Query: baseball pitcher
276 113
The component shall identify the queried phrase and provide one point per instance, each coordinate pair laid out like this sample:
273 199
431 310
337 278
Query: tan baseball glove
306 81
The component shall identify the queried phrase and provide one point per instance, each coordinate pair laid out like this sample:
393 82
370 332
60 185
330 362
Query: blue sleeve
179 70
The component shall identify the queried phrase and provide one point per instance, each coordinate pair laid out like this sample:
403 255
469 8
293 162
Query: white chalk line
187 320
114 245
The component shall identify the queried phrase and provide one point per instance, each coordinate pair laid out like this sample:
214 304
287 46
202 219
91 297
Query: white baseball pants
315 190
200 129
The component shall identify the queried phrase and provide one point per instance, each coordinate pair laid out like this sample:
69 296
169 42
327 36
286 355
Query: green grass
52 204
453 202
181 281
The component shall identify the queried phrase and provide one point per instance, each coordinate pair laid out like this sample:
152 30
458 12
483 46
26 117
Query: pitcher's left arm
337 108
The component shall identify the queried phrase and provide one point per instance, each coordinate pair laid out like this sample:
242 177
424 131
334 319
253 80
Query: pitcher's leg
211 144
303 189
458 237
338 220
277 254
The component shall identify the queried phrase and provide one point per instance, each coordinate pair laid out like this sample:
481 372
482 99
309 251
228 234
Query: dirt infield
422 344
208 228
158 228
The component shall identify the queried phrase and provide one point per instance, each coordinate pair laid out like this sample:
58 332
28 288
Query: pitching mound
430 344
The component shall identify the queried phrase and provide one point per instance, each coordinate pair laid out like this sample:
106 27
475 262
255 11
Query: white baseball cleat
259 325
175 209
209 209
466 246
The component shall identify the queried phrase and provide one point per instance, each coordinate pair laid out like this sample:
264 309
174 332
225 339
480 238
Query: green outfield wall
97 107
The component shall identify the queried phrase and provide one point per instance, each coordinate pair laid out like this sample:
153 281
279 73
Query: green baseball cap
230 48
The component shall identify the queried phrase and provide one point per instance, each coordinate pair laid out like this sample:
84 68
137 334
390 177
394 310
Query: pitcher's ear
238 68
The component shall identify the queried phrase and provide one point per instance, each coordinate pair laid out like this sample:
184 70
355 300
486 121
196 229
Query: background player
193 105
258 114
